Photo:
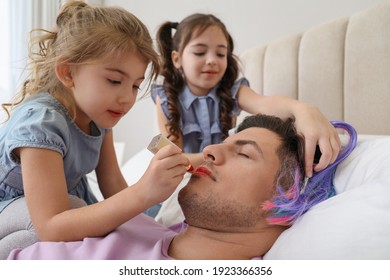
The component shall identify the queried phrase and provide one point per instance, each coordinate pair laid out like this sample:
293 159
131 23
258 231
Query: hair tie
174 25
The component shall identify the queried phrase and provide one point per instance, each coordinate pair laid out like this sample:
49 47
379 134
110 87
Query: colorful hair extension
286 207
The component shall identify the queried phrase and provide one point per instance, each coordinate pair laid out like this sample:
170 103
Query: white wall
4 53
250 22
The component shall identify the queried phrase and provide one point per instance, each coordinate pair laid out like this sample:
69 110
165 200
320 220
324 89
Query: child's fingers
176 161
329 154
171 155
310 145
326 155
167 151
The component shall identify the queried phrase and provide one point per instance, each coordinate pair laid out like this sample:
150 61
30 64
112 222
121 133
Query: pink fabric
140 238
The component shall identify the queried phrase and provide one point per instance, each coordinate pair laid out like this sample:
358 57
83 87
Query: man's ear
176 59
64 74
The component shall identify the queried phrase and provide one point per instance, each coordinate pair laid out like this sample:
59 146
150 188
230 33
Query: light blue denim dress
199 122
42 122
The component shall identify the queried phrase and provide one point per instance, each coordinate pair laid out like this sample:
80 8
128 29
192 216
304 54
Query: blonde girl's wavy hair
83 34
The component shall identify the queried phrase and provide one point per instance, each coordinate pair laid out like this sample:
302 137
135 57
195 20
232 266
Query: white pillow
136 166
170 212
366 163
354 224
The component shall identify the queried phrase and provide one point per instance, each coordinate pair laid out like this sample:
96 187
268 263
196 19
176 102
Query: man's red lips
203 171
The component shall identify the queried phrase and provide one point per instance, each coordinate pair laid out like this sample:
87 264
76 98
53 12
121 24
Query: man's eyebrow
252 143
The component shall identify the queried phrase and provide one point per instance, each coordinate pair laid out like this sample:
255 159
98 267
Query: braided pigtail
227 82
173 79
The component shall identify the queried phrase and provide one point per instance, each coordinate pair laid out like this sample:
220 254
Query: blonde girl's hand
316 130
164 173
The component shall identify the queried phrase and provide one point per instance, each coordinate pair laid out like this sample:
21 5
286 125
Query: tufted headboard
342 66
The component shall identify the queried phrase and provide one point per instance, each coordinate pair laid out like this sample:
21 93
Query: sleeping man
249 189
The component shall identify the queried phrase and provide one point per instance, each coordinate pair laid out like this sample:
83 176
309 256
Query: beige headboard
342 66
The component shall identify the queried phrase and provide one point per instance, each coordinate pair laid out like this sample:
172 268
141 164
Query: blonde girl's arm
310 123
47 197
108 173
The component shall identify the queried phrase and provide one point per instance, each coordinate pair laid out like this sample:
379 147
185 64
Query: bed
342 66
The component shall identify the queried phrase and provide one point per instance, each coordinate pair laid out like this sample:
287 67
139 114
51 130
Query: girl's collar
186 97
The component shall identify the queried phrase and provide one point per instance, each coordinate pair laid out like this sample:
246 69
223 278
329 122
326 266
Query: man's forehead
256 134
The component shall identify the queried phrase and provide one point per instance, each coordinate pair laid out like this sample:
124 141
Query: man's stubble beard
208 211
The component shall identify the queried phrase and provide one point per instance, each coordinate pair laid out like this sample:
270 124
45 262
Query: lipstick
190 168
160 141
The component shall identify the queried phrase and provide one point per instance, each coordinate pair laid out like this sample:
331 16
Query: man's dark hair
292 196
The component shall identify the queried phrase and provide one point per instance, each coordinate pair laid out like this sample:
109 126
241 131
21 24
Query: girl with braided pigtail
201 94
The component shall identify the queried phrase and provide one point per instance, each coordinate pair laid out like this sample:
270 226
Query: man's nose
209 157
213 153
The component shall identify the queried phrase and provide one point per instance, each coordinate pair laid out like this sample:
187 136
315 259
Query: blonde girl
85 76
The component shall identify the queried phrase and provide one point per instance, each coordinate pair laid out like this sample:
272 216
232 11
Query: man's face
227 190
